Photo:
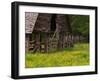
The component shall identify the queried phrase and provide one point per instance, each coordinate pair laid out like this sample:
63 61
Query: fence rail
65 41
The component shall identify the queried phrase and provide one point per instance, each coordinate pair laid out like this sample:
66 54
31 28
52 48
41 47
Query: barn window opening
53 22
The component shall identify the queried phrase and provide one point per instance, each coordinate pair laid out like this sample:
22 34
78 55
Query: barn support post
28 38
60 41
46 42
26 42
37 41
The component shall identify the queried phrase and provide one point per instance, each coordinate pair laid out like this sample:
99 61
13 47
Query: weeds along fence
78 39
66 41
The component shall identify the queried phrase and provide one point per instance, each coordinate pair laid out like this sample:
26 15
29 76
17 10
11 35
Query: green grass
75 56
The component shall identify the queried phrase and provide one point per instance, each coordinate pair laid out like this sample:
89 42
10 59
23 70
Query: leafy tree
80 25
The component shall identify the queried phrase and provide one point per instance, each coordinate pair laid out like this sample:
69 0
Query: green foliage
76 56
80 24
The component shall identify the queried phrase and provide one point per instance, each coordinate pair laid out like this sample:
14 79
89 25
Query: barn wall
61 23
43 22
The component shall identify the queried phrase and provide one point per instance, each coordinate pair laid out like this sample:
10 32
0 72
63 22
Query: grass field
76 56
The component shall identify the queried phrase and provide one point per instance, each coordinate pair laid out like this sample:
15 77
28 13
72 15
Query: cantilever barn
47 32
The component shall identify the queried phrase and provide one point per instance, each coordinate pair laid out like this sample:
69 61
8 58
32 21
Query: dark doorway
53 22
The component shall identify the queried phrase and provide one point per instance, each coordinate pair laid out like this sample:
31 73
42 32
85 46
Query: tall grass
75 56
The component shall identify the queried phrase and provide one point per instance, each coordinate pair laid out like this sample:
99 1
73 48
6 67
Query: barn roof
30 19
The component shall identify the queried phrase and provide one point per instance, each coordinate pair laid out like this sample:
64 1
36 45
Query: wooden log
33 41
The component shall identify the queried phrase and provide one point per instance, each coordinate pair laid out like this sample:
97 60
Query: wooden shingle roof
30 20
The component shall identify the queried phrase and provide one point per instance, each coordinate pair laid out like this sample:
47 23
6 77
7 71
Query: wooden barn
47 32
